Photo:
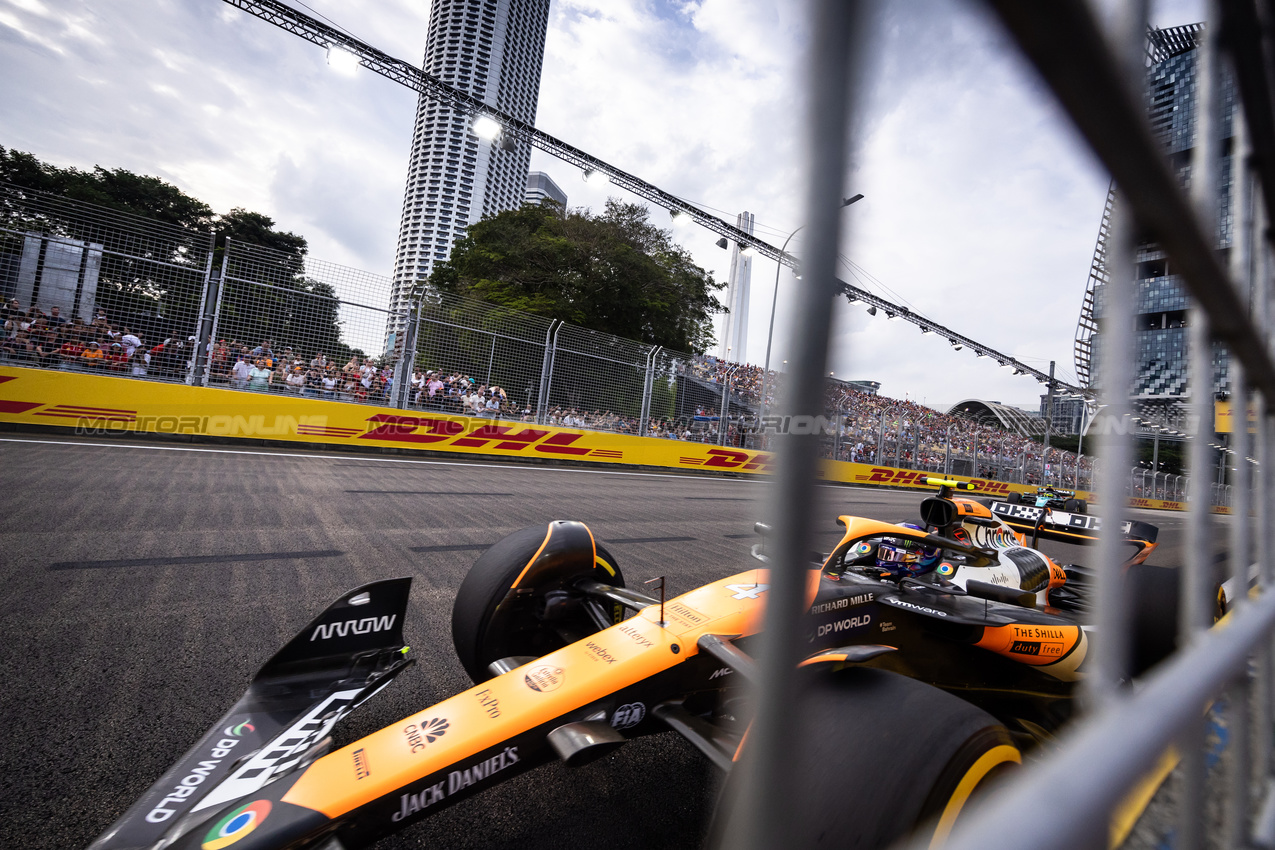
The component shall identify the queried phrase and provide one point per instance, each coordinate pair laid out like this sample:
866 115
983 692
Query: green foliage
115 189
615 273
297 311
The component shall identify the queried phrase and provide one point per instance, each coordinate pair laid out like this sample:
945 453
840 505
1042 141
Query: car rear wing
1067 527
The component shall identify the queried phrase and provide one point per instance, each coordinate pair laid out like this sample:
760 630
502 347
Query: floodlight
486 127
342 61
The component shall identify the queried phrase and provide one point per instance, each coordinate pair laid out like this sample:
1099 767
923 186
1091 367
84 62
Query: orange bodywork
503 707
1037 645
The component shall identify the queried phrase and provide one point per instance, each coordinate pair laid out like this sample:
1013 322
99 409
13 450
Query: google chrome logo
236 825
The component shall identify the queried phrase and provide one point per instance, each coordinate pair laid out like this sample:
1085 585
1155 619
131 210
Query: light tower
492 49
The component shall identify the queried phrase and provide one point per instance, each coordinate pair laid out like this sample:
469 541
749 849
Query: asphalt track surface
144 584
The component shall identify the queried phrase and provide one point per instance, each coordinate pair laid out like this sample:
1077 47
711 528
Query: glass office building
1160 377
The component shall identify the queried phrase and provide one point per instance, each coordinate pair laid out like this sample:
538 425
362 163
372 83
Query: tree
116 189
615 273
135 290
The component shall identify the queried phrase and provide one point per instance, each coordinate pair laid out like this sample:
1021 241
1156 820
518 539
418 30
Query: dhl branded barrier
102 404
97 403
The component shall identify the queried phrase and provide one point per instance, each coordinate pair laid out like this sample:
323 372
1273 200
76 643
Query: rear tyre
519 598
1071 506
880 756
1015 498
1155 595
1082 506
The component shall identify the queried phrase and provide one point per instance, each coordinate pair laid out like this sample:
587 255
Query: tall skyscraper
1160 374
492 49
734 342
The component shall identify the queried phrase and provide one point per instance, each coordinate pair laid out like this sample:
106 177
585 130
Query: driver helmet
902 558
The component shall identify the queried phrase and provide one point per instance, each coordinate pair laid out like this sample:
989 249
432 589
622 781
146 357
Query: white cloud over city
981 206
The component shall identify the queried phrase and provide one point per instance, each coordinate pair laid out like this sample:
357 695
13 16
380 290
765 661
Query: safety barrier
98 404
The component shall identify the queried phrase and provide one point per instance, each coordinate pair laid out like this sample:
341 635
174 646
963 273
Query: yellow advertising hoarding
1224 418
102 404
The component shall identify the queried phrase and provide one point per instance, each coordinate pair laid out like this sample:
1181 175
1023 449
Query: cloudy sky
981 208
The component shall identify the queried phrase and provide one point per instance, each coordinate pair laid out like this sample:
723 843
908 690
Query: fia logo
627 716
747 591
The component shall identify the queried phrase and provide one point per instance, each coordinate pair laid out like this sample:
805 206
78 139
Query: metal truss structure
513 130
1087 327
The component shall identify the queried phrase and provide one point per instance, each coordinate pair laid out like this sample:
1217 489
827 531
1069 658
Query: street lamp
774 300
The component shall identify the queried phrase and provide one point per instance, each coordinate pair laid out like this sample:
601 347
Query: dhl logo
427 429
730 459
900 477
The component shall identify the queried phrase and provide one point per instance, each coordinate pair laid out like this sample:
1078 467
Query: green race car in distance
1053 498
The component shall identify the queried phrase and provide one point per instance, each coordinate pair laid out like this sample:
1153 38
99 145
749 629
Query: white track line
374 459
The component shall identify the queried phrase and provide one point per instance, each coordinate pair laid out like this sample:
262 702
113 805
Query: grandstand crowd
865 427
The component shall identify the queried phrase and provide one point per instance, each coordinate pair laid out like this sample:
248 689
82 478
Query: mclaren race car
937 653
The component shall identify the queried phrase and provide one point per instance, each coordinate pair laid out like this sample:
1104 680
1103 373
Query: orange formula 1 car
937 653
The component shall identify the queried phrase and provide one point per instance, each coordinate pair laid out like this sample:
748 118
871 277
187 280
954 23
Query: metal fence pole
722 422
198 374
218 298
1195 613
402 388
1115 445
880 458
546 372
1264 669
761 815
947 451
491 359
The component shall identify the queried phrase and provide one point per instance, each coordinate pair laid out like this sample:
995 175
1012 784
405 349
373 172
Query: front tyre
880 756
519 598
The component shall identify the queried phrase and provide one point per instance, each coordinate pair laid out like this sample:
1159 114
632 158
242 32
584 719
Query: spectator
130 341
139 361
92 356
70 352
116 360
260 376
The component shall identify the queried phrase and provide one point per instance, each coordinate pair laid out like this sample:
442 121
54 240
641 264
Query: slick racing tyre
1071 506
1082 506
519 597
880 756
1015 498
1154 595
